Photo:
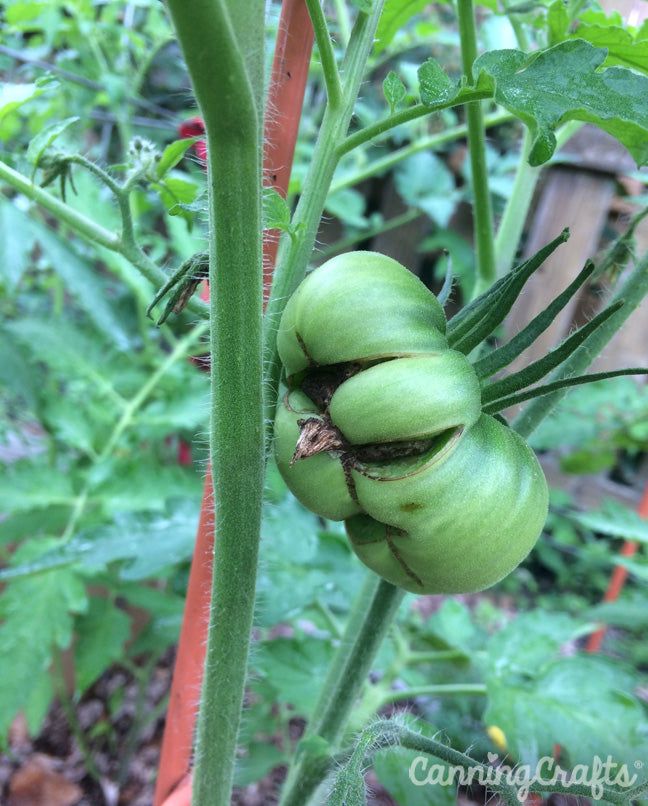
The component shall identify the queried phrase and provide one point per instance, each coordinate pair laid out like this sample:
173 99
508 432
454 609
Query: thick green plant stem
370 619
294 253
630 293
482 208
223 46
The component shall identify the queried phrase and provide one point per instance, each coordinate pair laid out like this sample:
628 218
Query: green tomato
382 427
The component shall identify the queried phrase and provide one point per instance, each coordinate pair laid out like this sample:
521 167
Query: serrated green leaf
424 181
582 702
528 642
630 613
102 631
17 376
26 487
565 83
318 567
453 627
393 89
146 544
73 352
130 486
37 617
622 48
435 85
172 155
615 520
177 195
45 137
88 288
394 16
33 523
295 667
259 759
349 206
276 214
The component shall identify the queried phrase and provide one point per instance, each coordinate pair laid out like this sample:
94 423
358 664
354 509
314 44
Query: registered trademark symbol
638 765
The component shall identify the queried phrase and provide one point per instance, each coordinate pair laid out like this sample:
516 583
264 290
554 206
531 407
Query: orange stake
618 577
285 100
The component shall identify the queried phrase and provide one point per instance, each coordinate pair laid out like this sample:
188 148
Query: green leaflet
565 83
37 613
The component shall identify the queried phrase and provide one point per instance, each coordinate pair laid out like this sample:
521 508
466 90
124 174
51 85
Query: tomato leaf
565 83
14 95
394 90
172 155
37 616
45 137
540 698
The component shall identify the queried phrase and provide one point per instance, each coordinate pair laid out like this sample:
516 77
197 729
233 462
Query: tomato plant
407 409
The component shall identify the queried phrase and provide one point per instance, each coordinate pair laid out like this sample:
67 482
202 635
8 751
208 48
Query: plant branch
482 207
429 143
63 212
405 116
369 621
327 56
91 231
295 253
129 411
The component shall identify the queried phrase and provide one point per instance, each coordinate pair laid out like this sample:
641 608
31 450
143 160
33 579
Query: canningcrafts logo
546 773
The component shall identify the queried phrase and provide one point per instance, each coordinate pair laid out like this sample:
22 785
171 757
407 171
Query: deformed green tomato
382 427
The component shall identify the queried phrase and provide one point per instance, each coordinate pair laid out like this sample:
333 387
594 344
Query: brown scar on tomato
316 436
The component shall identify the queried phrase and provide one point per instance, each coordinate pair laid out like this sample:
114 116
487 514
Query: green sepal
502 357
184 280
477 321
534 372
446 288
548 388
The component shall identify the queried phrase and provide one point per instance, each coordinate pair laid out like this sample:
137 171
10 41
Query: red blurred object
194 127
184 453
